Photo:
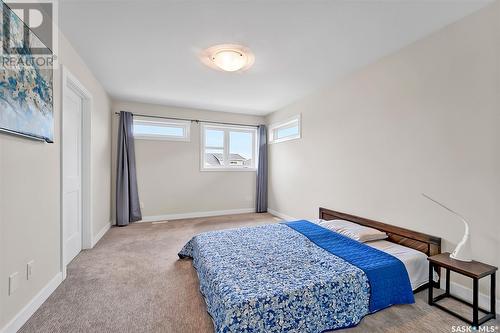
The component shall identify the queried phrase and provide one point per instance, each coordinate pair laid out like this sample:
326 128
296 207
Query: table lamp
462 251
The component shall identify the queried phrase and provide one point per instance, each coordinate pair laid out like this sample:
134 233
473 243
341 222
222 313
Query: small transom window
161 129
286 130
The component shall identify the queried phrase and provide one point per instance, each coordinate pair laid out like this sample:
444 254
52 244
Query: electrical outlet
141 204
13 282
29 269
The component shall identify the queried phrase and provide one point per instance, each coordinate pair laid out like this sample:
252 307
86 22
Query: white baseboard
64 272
195 215
101 233
281 215
465 293
22 317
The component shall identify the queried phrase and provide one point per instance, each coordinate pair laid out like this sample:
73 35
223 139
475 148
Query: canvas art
26 89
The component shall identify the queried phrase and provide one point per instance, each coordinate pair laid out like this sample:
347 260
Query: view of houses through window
228 147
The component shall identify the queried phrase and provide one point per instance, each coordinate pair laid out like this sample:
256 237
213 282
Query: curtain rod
186 119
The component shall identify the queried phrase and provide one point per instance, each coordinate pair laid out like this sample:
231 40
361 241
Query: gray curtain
127 197
261 201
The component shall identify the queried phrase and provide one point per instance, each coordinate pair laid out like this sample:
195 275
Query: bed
300 277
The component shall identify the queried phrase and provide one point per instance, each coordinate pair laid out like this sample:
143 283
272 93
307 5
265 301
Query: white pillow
353 230
317 221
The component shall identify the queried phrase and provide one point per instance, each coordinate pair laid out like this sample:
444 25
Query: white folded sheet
415 261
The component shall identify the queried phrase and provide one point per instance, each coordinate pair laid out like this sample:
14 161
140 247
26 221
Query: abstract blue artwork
26 91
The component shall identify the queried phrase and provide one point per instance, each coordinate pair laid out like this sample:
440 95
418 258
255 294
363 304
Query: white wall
30 193
168 172
425 119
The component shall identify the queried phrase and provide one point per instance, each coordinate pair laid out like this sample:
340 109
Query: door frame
70 82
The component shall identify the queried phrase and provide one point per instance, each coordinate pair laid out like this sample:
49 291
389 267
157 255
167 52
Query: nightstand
472 269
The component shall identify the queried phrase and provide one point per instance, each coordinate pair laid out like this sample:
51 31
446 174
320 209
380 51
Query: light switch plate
13 282
29 269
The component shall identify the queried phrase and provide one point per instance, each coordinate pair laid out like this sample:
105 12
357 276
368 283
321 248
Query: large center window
228 148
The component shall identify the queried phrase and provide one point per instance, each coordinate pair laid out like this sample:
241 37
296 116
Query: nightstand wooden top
474 269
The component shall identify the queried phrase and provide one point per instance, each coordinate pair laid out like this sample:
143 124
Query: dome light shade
229 60
228 57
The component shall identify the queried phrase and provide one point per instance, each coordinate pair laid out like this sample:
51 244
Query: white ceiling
148 50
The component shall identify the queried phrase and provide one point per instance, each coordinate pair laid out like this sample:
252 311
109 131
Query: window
161 129
284 131
228 147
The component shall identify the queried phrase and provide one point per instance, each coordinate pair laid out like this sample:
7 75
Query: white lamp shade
230 60
228 57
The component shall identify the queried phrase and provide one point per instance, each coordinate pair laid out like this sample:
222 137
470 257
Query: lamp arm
466 234
457 253
466 223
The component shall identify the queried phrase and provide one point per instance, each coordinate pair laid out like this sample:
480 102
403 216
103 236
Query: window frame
226 146
184 124
284 124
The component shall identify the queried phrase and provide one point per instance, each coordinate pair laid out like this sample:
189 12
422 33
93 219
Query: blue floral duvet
274 278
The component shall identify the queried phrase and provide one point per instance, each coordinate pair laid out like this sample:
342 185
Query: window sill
161 138
228 169
290 138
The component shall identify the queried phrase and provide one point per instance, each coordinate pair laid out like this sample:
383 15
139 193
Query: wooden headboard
430 245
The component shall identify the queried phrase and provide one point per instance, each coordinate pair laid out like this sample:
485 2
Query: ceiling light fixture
228 57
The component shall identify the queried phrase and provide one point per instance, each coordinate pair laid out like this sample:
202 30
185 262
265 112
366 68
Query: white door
72 174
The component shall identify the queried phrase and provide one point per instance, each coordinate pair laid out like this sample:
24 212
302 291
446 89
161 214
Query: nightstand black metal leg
475 303
431 284
447 281
492 295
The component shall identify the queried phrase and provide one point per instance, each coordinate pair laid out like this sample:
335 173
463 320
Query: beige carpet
132 282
